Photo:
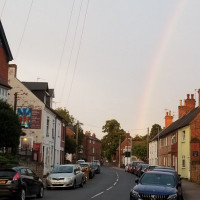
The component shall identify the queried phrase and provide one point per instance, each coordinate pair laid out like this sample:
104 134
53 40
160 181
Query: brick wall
195 172
3 67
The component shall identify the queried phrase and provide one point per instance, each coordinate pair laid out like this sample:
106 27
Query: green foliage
110 142
70 144
10 128
140 150
7 160
156 128
139 138
63 112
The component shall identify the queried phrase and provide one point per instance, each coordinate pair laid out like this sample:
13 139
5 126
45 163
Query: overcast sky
129 60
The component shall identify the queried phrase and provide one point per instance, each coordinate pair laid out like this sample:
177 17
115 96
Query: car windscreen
62 169
84 165
158 179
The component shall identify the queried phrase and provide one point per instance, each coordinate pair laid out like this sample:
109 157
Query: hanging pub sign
24 115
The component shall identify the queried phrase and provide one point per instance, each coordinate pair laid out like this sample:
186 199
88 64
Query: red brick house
91 148
123 152
5 57
179 143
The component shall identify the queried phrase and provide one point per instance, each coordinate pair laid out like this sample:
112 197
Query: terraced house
179 143
5 57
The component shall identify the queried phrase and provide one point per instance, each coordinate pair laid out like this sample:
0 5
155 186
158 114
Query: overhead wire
73 44
65 41
3 9
80 42
16 55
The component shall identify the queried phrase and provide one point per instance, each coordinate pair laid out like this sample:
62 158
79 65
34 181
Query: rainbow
157 61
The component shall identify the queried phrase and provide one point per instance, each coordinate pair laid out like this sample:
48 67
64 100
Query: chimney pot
170 113
166 113
192 96
188 96
180 102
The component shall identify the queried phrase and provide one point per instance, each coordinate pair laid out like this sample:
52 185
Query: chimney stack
199 96
189 104
168 119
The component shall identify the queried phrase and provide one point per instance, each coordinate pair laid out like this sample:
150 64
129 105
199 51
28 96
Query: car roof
158 172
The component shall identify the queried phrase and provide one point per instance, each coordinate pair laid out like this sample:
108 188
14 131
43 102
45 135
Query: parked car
96 167
150 168
97 161
20 182
87 166
156 185
80 161
63 176
141 169
134 165
170 170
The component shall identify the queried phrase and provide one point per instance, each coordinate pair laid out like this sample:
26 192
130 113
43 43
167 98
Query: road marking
97 195
109 188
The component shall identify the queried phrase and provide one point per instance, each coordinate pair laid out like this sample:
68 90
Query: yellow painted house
184 137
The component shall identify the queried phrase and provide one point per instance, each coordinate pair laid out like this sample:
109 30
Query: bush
8 160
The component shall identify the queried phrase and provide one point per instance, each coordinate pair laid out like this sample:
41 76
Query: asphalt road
111 184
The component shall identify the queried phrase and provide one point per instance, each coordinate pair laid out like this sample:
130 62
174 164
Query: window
93 141
47 131
53 134
93 150
183 161
173 140
183 136
173 161
90 141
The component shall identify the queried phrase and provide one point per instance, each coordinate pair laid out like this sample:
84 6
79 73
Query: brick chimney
88 133
189 104
168 119
93 135
199 97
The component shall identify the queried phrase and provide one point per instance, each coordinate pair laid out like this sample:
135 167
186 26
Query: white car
63 176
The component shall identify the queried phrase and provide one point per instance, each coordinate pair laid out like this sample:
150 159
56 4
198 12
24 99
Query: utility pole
77 125
147 145
119 151
15 102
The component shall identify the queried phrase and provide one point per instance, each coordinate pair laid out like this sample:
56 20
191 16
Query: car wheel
41 193
82 182
21 195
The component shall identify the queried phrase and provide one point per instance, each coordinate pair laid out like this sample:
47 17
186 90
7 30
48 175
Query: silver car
63 176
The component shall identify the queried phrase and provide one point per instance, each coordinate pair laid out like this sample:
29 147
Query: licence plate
2 182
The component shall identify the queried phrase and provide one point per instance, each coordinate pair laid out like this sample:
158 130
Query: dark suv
20 182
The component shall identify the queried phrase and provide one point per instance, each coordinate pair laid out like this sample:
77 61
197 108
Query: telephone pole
77 126
147 145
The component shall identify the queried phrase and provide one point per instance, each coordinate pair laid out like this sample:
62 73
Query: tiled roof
180 123
36 85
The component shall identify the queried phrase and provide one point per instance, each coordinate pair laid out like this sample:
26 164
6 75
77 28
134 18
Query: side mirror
137 180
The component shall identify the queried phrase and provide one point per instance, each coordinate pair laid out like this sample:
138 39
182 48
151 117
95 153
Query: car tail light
16 177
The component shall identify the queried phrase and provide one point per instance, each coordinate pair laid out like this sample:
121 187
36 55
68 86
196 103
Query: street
111 184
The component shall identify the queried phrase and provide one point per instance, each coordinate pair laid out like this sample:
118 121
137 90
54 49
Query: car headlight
134 193
172 197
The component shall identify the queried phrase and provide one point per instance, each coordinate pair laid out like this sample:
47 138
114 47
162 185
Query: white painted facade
48 135
153 152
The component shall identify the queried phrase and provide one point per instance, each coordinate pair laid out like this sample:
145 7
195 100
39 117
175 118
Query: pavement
190 190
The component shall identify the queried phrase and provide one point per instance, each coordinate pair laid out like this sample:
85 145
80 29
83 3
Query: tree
140 150
10 128
70 142
156 128
110 142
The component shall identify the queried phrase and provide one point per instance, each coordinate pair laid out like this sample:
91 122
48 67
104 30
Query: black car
96 167
20 182
156 185
134 166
